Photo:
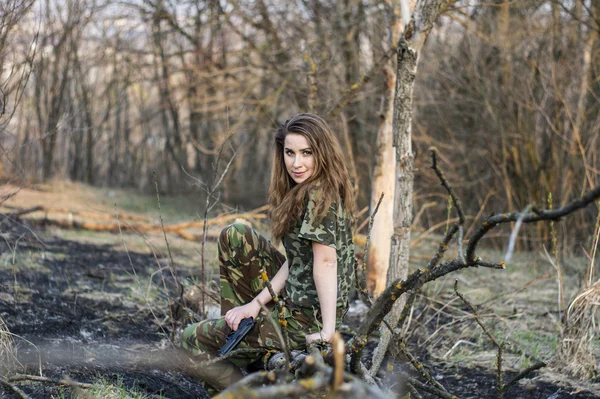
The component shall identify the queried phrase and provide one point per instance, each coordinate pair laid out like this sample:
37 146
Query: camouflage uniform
243 254
334 230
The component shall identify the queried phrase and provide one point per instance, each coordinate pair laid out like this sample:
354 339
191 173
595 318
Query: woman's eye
307 152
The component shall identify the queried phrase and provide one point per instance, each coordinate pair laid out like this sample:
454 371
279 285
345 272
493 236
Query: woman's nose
296 161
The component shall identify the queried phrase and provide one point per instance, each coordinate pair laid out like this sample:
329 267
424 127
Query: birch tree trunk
410 43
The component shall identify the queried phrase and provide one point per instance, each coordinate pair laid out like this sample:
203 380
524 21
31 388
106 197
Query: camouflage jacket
335 230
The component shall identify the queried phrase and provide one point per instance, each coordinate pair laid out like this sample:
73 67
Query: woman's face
298 157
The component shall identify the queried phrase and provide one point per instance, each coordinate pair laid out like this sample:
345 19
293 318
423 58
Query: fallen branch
15 389
90 215
71 223
37 378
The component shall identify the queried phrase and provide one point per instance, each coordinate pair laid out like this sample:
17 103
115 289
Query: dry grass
575 356
518 305
8 349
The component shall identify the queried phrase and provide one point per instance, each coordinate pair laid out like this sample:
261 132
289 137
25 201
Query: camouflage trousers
243 255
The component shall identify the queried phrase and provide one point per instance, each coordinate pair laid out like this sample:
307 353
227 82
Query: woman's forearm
277 283
325 276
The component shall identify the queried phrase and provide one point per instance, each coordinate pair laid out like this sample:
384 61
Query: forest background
180 98
107 93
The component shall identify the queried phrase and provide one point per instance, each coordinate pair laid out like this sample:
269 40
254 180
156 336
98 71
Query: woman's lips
298 174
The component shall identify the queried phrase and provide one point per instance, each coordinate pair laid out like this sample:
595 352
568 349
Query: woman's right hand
234 316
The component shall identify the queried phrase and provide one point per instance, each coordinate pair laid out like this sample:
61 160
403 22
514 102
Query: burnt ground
70 304
79 311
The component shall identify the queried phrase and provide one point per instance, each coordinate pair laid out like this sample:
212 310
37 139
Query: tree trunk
378 258
411 42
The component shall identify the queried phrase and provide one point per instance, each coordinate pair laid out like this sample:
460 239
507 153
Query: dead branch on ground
15 389
178 229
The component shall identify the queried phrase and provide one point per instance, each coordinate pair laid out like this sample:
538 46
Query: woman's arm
252 309
325 275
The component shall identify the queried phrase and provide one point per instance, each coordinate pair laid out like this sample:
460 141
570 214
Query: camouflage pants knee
243 255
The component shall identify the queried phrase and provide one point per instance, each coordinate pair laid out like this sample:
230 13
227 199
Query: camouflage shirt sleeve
324 231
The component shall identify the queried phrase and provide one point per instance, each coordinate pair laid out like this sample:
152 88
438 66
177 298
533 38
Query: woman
311 204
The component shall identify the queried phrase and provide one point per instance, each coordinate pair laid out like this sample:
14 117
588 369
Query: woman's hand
320 336
234 316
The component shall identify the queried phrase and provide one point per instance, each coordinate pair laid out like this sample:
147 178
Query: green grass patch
25 261
105 389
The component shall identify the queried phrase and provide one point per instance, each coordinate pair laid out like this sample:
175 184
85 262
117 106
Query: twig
523 374
427 388
371 220
207 208
281 313
406 310
162 224
352 90
15 389
456 227
559 282
65 382
173 270
443 247
531 217
447 186
137 280
339 354
500 386
413 392
459 241
363 290
418 365
245 384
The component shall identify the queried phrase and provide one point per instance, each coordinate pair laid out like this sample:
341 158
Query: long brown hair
330 177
